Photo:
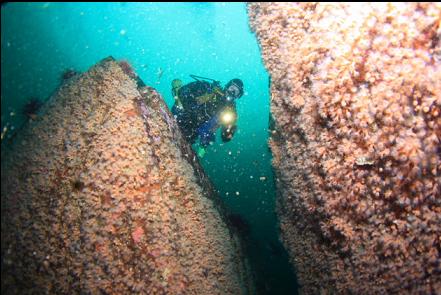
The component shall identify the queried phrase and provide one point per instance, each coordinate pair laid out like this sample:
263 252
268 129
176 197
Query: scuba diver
202 106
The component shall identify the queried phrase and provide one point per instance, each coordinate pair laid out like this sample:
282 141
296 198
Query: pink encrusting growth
356 99
137 234
93 203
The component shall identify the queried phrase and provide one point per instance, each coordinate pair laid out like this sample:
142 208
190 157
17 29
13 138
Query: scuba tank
215 82
191 92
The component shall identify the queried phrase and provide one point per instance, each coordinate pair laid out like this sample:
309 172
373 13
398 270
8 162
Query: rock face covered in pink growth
356 101
102 195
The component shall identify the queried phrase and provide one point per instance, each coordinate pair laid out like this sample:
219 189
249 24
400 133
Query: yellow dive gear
209 96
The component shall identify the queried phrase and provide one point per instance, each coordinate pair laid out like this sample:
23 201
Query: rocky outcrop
101 194
356 100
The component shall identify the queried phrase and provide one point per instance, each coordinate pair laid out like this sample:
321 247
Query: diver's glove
228 133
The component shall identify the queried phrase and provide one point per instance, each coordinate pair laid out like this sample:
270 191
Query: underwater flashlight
227 117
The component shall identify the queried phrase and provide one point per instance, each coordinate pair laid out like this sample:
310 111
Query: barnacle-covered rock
356 99
102 195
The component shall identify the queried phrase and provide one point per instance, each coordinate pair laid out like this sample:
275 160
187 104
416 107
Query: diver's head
233 89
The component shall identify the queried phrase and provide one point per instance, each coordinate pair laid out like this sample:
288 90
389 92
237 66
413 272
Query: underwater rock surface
101 194
356 101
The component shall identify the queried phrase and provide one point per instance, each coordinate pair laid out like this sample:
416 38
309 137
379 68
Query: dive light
227 117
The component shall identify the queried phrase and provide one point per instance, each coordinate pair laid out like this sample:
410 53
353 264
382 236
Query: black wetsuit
196 113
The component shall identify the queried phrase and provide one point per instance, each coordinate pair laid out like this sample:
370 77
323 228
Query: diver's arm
229 128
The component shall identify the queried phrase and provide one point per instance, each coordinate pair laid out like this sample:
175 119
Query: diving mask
232 92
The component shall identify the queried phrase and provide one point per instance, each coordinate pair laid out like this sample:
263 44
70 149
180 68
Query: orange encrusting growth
103 195
356 99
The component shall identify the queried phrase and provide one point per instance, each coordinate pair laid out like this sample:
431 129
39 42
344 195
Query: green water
162 41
